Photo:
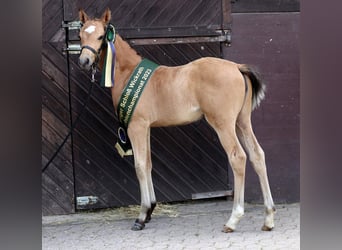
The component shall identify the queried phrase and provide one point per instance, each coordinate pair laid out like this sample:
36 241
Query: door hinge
72 28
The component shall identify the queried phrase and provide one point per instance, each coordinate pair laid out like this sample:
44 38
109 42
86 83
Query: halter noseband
97 53
110 31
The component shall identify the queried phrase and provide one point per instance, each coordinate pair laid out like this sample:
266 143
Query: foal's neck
126 61
126 58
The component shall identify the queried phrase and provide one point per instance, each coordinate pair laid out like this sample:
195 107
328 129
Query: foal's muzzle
86 60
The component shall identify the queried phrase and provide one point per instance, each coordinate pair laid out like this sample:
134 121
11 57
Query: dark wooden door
58 179
187 160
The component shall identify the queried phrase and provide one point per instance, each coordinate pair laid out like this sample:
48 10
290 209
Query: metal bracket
228 37
83 201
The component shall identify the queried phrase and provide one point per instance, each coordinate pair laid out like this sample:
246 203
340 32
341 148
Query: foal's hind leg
237 160
257 158
139 136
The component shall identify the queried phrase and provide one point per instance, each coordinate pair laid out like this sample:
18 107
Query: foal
221 91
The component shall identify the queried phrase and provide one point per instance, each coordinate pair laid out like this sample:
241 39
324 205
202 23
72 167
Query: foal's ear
83 16
107 15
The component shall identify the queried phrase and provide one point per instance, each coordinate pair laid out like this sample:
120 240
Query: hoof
266 228
227 229
137 226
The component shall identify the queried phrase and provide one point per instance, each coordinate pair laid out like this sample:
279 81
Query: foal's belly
179 116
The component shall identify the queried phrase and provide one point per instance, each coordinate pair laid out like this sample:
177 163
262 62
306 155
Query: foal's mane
130 44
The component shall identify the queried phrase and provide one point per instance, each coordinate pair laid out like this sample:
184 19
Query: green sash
128 101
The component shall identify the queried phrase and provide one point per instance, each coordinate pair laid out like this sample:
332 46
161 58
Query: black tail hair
258 86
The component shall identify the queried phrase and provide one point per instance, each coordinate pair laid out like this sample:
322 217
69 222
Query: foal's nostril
83 61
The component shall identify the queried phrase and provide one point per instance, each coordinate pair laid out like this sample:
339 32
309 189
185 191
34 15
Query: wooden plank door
58 178
188 161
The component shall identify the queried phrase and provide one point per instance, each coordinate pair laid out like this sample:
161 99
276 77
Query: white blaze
90 29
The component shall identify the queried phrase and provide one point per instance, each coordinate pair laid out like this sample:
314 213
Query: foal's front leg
139 136
149 179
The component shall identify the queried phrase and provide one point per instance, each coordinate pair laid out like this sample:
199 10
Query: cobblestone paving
190 225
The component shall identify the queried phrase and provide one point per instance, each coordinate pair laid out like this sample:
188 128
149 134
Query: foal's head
92 38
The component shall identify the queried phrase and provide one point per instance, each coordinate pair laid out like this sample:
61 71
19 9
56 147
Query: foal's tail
258 86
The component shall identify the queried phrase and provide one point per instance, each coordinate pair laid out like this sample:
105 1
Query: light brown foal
224 92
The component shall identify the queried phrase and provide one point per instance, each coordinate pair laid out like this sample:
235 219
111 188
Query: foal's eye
100 38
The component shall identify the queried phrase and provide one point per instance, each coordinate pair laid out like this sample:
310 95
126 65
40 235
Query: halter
109 35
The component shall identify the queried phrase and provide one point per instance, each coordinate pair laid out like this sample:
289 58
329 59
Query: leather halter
96 53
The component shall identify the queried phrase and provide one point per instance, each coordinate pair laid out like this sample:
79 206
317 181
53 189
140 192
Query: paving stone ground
189 225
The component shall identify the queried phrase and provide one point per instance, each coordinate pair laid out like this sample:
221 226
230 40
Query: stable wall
270 41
